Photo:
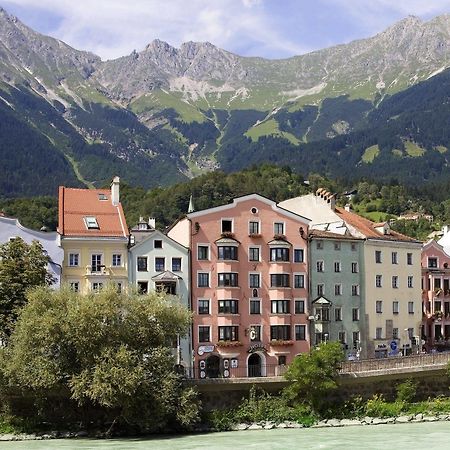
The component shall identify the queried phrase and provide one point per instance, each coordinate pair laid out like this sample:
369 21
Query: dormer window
102 197
91 223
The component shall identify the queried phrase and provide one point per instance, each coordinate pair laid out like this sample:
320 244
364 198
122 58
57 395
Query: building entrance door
254 365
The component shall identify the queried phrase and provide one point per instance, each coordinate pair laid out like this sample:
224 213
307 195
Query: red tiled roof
76 204
367 227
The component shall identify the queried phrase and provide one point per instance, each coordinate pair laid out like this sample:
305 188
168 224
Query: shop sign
205 349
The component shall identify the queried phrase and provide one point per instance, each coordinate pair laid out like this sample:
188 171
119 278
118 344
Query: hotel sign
257 348
205 349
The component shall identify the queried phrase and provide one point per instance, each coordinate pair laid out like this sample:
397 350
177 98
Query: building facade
94 237
337 291
158 263
436 296
249 287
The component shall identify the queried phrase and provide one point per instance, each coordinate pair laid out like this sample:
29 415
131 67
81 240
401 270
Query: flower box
229 344
281 343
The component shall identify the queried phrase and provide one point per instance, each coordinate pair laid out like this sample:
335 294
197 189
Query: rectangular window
409 259
228 307
320 266
320 290
202 279
410 307
280 306
227 226
395 282
322 314
176 264
338 314
255 306
378 306
160 264
299 255
394 258
253 227
379 333
410 281
378 256
204 334
279 254
342 338
353 247
432 263
227 253
378 281
300 332
355 339
299 281
229 333
227 279
157 243
337 266
97 286
203 306
142 287
410 333
319 245
116 260
395 333
96 262
142 264
355 268
75 286
355 314
253 254
355 289
255 280
280 332
338 289
74 259
299 306
255 333
278 228
337 245
203 252
395 307
280 280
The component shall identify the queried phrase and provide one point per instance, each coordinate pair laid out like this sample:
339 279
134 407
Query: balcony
101 270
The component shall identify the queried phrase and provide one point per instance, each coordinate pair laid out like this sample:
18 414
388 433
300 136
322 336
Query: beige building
94 236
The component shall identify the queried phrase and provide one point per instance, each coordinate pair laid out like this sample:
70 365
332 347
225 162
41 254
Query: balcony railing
251 371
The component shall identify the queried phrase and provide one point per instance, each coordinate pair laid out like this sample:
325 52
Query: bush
378 407
406 391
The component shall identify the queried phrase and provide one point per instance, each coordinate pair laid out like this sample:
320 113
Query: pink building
436 296
249 287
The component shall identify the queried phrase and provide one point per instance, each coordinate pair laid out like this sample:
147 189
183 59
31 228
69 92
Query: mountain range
374 107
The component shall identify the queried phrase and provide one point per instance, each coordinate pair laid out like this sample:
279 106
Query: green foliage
314 374
106 350
22 267
406 391
377 406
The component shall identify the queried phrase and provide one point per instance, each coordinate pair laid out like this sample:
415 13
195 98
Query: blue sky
267 28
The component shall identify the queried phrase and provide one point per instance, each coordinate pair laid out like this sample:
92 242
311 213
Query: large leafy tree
22 266
314 374
108 351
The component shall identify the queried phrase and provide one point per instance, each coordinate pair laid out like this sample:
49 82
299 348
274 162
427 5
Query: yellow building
94 236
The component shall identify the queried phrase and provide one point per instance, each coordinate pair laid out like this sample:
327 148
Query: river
435 435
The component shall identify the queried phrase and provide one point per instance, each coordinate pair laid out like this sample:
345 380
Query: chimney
115 191
152 222
348 207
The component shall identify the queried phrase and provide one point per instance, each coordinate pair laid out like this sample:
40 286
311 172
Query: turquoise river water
411 436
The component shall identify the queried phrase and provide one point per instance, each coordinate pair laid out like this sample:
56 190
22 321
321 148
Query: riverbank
262 425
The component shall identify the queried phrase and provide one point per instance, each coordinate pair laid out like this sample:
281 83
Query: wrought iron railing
251 371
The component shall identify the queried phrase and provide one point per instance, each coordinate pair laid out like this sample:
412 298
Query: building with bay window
249 286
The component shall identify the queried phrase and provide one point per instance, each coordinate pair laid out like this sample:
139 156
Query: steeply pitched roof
77 204
368 228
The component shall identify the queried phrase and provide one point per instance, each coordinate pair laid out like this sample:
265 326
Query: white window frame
260 280
304 280
306 332
76 281
320 262
293 255
395 307
102 259
254 246
74 252
337 265
137 265
154 263
379 333
380 309
411 307
117 253
259 227
257 299
228 219
338 289
355 290
209 251
395 283
198 333
356 266
305 304
410 281
283 225
378 277
181 263
91 223
209 278
209 306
